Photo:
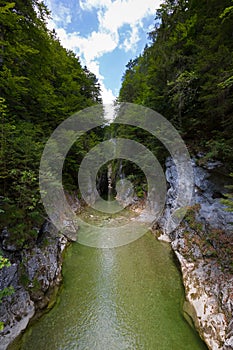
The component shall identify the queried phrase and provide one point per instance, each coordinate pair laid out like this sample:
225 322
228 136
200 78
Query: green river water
125 298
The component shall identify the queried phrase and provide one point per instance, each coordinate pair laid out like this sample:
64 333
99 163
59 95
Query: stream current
124 298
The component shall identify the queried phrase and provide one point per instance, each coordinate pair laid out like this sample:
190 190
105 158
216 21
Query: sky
105 34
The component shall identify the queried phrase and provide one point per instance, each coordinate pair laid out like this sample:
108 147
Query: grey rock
15 311
33 275
208 286
207 185
228 345
42 265
8 276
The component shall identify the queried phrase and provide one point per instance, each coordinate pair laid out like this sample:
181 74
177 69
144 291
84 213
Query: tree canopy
186 74
42 84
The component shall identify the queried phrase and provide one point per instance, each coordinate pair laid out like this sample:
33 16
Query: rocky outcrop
208 285
34 274
203 245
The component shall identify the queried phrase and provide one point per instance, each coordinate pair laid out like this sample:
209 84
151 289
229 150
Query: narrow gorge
116 175
130 297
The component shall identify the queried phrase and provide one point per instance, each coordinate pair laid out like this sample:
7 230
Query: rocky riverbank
203 244
35 273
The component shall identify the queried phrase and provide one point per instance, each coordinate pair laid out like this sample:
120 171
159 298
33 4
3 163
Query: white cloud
99 43
126 12
133 38
62 14
93 4
107 95
94 67
112 16
90 48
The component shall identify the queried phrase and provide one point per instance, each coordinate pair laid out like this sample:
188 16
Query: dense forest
42 84
186 74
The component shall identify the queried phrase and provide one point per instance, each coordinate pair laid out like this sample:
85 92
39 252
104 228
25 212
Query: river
126 298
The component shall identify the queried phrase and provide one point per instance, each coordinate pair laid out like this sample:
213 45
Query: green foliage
42 84
6 292
186 74
41 81
24 279
4 262
130 169
228 201
190 217
228 11
213 243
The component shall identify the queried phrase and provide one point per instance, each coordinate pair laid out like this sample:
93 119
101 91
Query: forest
42 84
185 73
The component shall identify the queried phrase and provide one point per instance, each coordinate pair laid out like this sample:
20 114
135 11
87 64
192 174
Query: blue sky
105 34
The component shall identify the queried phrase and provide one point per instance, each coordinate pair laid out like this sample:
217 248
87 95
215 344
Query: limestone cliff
34 273
203 244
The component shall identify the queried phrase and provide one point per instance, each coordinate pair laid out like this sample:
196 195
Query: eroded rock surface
203 244
34 274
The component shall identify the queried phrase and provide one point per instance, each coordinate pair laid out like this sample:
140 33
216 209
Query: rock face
203 244
34 274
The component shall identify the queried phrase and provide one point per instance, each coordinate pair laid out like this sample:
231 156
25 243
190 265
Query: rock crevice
34 274
203 245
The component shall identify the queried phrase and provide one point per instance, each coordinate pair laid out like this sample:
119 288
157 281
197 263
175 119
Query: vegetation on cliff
42 84
186 74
